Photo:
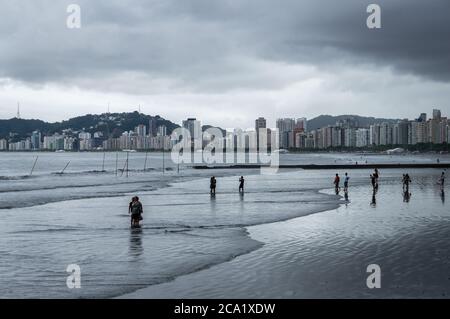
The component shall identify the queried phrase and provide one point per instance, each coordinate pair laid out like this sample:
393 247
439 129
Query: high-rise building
285 128
315 137
385 134
403 132
36 140
374 134
3 145
260 122
436 114
350 137
337 137
162 130
152 126
443 130
141 130
327 136
419 132
434 131
422 117
194 127
302 124
283 125
84 135
448 133
362 137
303 139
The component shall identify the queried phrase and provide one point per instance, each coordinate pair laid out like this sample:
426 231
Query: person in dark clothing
373 181
212 186
241 184
135 209
406 181
376 175
346 179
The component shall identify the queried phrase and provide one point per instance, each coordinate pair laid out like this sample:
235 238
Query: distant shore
334 166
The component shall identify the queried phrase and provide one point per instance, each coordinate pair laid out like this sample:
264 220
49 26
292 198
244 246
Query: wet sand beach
288 236
325 255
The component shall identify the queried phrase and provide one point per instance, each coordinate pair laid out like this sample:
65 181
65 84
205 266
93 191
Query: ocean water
51 220
326 254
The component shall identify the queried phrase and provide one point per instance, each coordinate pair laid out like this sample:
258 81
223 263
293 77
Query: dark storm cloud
211 45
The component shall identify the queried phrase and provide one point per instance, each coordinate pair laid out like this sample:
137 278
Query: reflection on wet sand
406 196
136 248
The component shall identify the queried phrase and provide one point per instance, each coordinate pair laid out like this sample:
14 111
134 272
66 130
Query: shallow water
49 221
325 255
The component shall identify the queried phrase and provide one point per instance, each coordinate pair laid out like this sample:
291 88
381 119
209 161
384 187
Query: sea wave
15 178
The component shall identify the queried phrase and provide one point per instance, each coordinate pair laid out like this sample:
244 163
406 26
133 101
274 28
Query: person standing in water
373 181
135 209
442 180
346 179
212 185
406 181
241 184
337 181
406 196
376 175
373 202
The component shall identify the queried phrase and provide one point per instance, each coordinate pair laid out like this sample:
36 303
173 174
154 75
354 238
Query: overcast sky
225 62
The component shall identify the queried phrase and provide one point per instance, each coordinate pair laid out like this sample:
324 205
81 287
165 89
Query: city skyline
293 133
245 58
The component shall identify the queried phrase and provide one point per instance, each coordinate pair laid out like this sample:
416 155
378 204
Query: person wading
241 184
346 179
337 181
212 186
135 209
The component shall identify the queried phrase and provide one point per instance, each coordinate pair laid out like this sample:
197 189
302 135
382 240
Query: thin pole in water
123 169
163 165
34 165
117 160
103 164
62 172
145 163
127 163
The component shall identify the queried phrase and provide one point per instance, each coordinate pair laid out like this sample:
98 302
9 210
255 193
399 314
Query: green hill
362 121
110 124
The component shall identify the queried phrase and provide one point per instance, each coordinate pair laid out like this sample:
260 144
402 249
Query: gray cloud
196 41
230 47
